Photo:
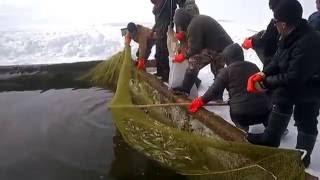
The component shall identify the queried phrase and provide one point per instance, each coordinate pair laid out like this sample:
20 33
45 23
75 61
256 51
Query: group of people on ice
288 84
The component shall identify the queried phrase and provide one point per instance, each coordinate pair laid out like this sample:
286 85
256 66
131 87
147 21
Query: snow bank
60 45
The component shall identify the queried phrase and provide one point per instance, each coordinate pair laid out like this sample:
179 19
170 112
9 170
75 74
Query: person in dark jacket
142 36
205 39
314 19
234 79
265 42
164 12
294 76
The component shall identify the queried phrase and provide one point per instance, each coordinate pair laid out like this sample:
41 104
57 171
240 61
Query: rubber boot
188 82
286 132
277 125
306 142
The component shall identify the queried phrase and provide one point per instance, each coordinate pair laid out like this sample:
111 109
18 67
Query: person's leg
277 124
218 63
164 59
158 58
196 63
305 116
240 121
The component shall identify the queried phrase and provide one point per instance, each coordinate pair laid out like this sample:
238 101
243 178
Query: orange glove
179 58
247 43
254 84
195 105
140 64
180 36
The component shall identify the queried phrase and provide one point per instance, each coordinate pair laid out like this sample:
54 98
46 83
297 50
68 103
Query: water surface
66 135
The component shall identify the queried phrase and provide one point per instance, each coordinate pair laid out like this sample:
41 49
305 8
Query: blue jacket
314 20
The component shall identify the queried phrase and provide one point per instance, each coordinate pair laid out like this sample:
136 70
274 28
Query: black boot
272 134
286 132
306 142
188 82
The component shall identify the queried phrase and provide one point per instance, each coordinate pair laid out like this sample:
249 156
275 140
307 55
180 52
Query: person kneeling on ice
205 39
245 109
293 75
143 36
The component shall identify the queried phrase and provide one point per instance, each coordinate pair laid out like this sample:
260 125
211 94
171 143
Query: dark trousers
250 119
304 114
162 58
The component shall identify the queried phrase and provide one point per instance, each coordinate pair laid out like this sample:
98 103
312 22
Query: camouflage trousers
199 61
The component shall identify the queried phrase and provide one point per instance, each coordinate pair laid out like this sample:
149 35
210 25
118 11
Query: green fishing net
190 154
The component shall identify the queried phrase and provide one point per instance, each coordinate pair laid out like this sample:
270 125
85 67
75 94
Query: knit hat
289 11
233 53
273 4
132 28
182 19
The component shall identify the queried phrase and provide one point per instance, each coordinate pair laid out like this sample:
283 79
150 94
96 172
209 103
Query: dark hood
233 53
182 19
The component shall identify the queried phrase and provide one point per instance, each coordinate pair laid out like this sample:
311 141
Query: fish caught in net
189 154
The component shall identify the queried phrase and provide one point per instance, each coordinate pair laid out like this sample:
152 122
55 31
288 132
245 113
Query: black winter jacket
294 71
206 33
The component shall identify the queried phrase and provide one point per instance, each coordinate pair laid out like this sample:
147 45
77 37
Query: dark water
66 135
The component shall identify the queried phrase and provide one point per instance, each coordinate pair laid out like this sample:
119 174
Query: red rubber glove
195 105
247 43
180 36
140 65
255 81
250 85
257 77
179 58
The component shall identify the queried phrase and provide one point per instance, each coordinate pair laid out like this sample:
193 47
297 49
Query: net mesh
189 154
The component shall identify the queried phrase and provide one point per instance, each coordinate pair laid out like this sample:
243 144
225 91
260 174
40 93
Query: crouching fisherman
143 36
205 39
293 75
245 109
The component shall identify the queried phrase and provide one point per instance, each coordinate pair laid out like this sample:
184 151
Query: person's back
205 39
206 33
240 99
142 36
